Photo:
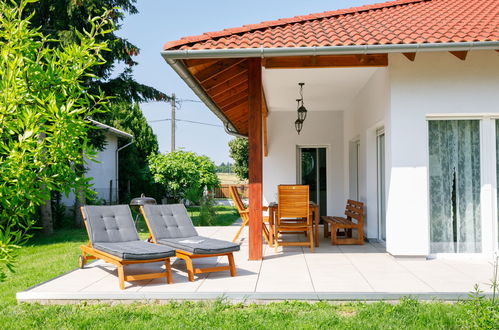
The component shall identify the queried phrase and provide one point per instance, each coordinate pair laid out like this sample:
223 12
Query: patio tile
331 271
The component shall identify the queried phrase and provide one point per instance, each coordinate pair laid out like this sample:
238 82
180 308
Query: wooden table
314 210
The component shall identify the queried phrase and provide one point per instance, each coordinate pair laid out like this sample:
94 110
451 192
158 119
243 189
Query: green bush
182 171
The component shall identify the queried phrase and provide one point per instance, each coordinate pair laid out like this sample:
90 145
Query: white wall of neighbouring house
435 83
102 171
363 116
322 128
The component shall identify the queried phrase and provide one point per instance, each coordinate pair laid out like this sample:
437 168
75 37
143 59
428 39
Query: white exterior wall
435 83
365 114
104 170
101 171
324 128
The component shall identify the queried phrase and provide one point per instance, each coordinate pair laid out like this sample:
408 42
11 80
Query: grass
46 257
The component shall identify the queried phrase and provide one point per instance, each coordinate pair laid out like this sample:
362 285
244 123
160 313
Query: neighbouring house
403 114
103 170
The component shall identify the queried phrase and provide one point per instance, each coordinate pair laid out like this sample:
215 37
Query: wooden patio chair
293 215
170 225
244 214
353 211
114 239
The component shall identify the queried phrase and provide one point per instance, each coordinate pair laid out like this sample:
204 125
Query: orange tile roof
393 22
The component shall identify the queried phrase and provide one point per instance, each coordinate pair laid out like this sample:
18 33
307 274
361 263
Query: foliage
65 19
43 106
207 212
225 168
180 170
135 176
239 152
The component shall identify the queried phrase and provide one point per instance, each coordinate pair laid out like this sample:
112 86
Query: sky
161 21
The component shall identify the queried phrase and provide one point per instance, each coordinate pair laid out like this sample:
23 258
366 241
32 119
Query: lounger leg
121 277
232 265
326 229
190 269
168 268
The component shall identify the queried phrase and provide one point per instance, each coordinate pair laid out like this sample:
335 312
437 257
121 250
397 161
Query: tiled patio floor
332 272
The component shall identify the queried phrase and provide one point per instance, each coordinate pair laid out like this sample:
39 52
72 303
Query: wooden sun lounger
171 225
117 243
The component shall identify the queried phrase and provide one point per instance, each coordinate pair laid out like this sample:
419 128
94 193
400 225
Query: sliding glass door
454 159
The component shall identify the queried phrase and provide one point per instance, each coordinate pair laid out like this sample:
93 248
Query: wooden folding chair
293 215
244 213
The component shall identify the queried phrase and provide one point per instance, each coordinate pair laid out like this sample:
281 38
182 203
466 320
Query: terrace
331 273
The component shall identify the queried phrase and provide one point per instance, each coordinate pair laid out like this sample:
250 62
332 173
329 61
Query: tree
65 19
238 150
135 176
181 171
43 131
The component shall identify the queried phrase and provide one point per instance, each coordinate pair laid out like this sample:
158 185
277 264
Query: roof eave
327 50
111 129
174 57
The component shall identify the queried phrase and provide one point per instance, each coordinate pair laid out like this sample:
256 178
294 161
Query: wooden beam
265 113
460 54
241 98
224 76
255 159
326 61
195 66
410 56
228 84
217 68
231 92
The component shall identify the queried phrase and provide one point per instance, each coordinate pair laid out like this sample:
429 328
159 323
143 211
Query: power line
184 120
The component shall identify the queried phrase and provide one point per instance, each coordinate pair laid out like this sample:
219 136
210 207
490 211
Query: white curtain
454 147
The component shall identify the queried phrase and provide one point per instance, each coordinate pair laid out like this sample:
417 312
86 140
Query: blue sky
162 21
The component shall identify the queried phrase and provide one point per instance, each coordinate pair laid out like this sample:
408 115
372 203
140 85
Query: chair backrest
355 210
238 203
293 201
168 221
109 223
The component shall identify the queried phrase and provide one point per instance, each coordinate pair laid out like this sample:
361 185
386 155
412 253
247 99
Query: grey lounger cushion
171 225
136 250
110 224
111 230
200 245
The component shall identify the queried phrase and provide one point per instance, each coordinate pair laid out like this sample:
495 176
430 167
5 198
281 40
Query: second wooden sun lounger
114 239
170 225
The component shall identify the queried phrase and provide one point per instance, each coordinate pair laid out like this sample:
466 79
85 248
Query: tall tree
135 176
43 130
65 19
238 150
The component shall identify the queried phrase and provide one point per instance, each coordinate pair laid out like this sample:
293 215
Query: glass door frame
488 177
298 164
381 182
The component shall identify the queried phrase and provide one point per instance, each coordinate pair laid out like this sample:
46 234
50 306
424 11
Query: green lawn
45 258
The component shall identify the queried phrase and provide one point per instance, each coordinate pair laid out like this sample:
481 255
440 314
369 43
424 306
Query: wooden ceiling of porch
225 81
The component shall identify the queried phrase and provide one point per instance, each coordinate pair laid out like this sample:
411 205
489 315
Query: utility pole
173 122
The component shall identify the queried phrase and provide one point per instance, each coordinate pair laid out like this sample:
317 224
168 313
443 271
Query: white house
403 114
103 170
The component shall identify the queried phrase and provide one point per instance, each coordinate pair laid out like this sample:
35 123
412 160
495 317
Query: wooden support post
255 168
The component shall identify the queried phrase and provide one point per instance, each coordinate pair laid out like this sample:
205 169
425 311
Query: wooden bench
353 211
